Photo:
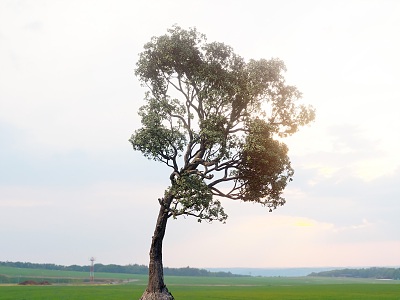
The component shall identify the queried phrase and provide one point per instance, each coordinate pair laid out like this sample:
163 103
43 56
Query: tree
216 121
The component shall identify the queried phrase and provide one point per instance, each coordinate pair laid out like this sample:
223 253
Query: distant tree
214 119
378 273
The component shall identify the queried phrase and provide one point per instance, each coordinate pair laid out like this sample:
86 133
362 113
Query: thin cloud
69 102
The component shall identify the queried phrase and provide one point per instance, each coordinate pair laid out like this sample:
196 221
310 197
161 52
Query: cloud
25 164
34 26
71 186
343 151
275 241
94 220
342 197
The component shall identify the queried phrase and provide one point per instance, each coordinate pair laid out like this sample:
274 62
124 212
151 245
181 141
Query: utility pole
91 275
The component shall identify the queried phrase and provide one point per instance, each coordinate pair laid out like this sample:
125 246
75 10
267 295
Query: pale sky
71 186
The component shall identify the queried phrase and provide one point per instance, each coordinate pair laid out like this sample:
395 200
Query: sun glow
304 223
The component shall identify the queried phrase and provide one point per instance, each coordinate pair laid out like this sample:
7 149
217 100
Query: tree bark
156 288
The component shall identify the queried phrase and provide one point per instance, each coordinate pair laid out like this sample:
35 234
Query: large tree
217 122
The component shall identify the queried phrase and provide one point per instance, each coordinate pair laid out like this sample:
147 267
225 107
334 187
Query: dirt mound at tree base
32 282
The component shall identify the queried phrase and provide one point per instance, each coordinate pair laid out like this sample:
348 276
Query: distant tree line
378 273
188 271
112 268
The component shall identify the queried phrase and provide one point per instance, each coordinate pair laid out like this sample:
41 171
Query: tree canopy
375 272
217 121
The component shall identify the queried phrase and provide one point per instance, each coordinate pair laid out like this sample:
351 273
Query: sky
71 187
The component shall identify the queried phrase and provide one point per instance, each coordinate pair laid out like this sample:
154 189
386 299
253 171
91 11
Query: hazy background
71 186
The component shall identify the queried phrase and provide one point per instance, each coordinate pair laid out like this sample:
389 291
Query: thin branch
217 192
223 179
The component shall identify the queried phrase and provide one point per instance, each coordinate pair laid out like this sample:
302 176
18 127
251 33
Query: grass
311 292
212 288
16 275
338 291
81 292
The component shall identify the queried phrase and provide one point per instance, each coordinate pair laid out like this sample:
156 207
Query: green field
16 275
196 288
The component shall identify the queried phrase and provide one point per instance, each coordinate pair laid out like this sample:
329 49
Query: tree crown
215 119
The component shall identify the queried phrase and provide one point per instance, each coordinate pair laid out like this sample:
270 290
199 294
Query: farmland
194 288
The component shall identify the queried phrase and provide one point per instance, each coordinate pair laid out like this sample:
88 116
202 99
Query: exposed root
163 295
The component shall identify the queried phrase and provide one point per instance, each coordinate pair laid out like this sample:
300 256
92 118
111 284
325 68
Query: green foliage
379 273
214 119
14 271
155 139
193 197
265 168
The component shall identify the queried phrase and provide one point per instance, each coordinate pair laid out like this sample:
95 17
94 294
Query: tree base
163 295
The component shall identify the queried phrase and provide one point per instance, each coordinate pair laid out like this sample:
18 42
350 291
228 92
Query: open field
16 275
196 288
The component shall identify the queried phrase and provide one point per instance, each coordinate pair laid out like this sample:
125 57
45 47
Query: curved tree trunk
156 288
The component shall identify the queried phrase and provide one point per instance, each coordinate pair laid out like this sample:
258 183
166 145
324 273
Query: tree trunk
156 288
